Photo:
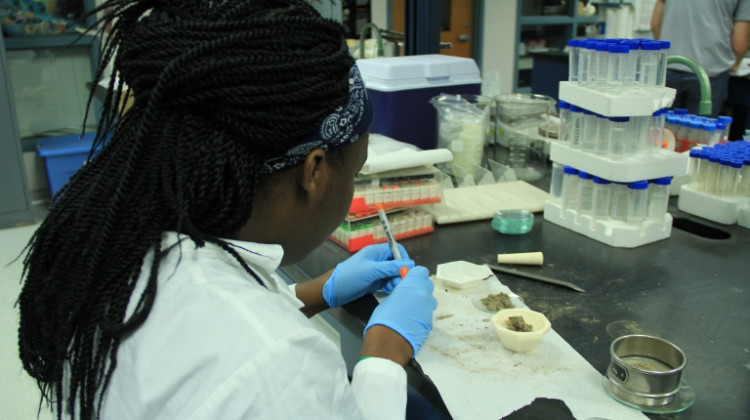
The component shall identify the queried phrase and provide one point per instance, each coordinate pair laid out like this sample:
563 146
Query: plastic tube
564 131
576 126
602 136
638 202
729 174
601 60
744 186
727 126
618 130
631 66
602 198
712 173
661 72
590 123
711 135
649 63
695 162
658 198
569 188
585 204
656 129
618 209
556 181
573 59
616 67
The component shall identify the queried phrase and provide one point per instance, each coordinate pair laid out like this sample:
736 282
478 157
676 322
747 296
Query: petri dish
513 221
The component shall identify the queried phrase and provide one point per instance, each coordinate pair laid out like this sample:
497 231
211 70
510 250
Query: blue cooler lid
64 145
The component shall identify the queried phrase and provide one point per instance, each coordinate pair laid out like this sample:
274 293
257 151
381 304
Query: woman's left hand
369 270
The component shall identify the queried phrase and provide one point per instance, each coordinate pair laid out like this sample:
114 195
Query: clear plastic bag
464 127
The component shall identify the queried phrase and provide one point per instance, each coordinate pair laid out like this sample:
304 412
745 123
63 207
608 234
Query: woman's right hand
407 312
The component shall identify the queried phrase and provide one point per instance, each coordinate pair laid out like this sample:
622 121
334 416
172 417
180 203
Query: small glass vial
618 209
658 198
616 67
564 130
576 126
573 59
618 128
650 51
569 189
585 204
556 182
590 123
637 202
602 198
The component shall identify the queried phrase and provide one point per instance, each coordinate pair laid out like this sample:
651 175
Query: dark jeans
688 93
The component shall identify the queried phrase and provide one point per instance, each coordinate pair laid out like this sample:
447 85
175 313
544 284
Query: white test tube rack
661 163
724 210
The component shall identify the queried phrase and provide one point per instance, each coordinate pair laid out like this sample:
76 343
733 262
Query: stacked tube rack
611 175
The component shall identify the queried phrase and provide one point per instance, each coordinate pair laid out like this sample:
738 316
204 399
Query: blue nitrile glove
369 270
408 310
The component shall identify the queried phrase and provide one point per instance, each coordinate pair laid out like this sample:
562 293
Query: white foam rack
611 232
724 210
661 163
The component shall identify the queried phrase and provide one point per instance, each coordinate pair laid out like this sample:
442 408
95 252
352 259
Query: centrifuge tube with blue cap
658 198
569 188
602 198
585 204
576 126
564 131
637 202
618 127
588 138
620 200
650 51
573 59
616 67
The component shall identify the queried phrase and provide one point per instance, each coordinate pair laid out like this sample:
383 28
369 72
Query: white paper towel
478 378
386 154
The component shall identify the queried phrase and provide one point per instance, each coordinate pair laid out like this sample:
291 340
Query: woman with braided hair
150 289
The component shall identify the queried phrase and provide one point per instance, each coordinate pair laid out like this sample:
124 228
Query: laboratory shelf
611 232
637 103
49 41
724 210
662 163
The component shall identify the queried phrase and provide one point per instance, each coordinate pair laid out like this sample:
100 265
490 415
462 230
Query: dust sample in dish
496 302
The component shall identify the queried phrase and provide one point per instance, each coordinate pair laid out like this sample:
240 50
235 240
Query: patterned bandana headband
344 126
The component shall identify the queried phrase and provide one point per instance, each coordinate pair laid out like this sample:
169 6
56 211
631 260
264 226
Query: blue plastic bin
63 157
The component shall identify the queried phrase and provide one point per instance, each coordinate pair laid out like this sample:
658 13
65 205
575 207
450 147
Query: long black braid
220 86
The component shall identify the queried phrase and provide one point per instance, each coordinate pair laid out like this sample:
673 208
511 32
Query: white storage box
401 88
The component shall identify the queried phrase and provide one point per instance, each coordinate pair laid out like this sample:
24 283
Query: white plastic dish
516 340
462 274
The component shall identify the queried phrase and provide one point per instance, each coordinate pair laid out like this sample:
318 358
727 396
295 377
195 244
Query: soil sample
516 323
496 302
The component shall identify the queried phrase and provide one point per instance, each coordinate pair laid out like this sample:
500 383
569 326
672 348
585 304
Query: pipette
391 240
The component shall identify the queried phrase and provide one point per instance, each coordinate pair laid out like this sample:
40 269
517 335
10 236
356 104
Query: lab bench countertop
689 289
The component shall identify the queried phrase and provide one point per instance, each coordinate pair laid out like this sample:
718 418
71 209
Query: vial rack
724 210
356 232
396 189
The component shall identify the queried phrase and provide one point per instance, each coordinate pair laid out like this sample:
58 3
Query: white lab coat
217 345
